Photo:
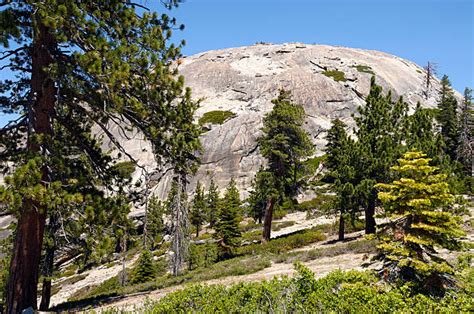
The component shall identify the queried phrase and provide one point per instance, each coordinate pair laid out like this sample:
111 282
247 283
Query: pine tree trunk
267 223
24 265
48 272
341 227
369 214
197 231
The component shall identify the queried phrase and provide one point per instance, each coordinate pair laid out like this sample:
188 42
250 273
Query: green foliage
89 66
338 292
155 223
336 75
341 161
212 203
261 189
202 255
198 209
465 150
448 118
227 227
380 137
124 169
417 206
285 143
322 203
364 69
144 270
216 117
283 244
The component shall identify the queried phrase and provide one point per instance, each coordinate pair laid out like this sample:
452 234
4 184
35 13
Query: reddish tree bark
24 265
267 222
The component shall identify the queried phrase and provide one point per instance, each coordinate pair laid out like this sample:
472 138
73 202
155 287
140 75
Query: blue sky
418 30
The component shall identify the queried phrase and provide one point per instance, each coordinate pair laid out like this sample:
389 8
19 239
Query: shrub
284 243
339 292
216 117
364 69
336 75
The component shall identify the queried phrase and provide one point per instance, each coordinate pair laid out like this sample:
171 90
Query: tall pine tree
448 118
79 65
465 150
341 156
380 135
284 144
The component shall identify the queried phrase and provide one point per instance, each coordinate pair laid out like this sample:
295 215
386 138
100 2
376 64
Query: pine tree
87 66
284 144
212 203
448 118
465 150
227 227
145 269
421 134
340 161
417 206
380 134
198 209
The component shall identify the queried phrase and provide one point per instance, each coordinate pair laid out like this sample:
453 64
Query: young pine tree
212 203
284 144
198 209
145 269
417 207
227 227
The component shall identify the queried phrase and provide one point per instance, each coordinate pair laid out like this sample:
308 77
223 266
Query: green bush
336 75
364 69
339 292
216 117
283 244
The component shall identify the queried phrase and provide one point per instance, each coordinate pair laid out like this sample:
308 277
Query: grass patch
322 203
216 117
363 69
277 226
69 281
251 225
279 213
112 287
356 247
283 244
336 75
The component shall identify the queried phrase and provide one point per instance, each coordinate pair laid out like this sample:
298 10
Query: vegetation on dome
336 75
216 117
363 69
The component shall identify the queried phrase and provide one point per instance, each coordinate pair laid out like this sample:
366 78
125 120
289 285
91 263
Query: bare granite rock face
244 80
